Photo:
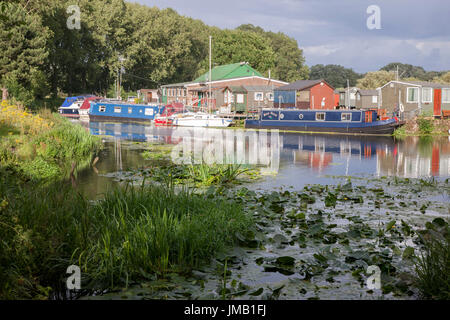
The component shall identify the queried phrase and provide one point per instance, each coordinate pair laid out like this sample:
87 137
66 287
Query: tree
289 63
376 79
335 75
445 78
410 71
23 52
233 46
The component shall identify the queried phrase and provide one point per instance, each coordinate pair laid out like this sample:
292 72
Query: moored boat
329 121
85 106
110 111
71 105
200 119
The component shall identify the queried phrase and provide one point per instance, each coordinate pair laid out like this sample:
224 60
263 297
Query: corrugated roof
229 71
299 85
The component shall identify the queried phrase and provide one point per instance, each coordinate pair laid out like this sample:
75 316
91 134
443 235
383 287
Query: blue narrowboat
107 111
327 121
71 105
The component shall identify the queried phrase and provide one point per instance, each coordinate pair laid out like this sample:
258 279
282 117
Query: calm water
286 159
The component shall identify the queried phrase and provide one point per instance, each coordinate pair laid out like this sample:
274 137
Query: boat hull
383 127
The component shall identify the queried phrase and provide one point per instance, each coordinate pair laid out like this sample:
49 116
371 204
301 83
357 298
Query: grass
42 145
130 235
433 265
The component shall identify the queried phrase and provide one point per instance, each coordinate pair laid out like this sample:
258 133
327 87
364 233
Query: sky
416 32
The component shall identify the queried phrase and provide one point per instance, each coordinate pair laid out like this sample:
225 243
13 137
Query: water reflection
300 158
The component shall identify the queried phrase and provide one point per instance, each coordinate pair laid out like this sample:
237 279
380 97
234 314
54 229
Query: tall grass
42 145
433 265
130 235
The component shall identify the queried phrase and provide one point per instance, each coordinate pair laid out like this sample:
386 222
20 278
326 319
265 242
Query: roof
259 88
229 71
300 85
368 92
236 89
424 84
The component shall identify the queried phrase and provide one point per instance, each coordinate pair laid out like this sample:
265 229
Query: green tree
23 52
410 71
373 80
289 64
335 75
232 46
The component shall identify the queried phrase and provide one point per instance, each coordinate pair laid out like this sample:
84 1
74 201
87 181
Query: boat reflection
378 155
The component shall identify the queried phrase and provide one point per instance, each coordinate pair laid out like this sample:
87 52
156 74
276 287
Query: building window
427 95
320 116
117 109
240 98
352 96
101 108
358 96
259 96
412 95
446 95
374 99
269 96
346 117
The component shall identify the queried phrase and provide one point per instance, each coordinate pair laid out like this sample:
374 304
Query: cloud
332 31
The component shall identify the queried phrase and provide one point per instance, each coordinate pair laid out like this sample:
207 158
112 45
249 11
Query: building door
149 97
437 102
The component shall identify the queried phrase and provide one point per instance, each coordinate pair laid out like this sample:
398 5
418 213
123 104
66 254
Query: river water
286 159
291 161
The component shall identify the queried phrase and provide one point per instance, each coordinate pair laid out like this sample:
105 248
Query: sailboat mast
209 103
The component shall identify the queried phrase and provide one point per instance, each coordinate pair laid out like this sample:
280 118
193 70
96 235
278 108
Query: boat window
300 116
320 116
346 117
117 109
130 110
101 108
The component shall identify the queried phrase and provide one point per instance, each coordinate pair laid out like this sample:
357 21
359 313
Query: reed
130 235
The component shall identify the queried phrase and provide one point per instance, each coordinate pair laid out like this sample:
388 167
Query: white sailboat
201 119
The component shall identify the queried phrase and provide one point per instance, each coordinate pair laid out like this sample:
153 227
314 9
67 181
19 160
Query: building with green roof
229 71
196 92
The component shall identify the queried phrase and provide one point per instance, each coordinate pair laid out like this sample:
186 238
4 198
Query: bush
425 126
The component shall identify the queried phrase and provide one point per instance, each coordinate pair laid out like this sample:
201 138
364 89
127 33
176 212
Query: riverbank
424 126
43 145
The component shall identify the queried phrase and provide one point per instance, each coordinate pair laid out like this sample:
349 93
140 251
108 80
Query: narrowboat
71 105
85 106
327 121
110 111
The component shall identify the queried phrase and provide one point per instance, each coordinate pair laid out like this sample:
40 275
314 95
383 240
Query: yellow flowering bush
18 117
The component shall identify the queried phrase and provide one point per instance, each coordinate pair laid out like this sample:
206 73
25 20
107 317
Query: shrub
425 126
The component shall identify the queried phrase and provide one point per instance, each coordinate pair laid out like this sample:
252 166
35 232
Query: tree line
41 56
